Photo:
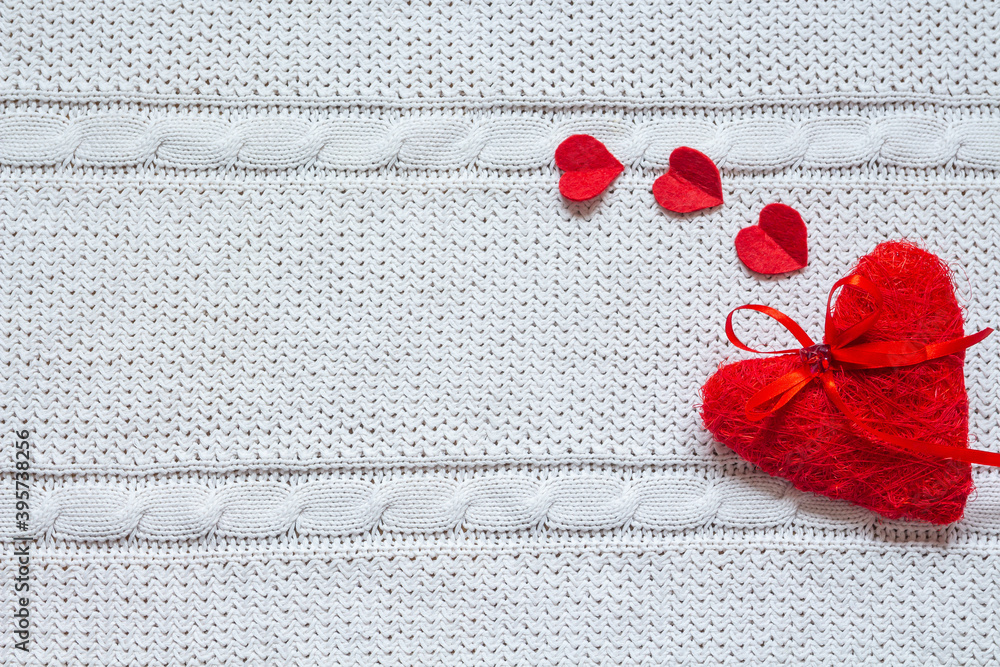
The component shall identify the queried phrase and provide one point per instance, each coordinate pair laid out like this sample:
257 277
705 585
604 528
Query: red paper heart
776 244
691 183
589 165
814 445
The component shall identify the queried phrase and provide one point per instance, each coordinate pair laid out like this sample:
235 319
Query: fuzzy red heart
691 183
814 445
776 244
589 165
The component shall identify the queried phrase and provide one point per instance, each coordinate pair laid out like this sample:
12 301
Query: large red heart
776 244
691 183
589 165
815 446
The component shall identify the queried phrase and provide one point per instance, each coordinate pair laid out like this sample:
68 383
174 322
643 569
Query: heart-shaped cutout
776 244
813 444
691 183
589 165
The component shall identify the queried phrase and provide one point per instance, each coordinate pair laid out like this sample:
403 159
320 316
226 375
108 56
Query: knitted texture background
319 368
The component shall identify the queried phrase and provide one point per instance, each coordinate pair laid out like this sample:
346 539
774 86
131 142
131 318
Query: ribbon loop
835 353
773 313
838 339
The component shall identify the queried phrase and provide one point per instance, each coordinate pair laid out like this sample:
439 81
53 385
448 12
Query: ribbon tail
895 354
976 456
937 350
784 388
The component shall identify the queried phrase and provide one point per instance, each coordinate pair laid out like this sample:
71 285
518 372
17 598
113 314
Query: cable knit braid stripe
434 502
257 139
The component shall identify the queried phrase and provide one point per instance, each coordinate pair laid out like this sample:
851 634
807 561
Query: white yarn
319 368
738 140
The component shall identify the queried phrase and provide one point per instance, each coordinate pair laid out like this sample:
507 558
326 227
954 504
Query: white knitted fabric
320 369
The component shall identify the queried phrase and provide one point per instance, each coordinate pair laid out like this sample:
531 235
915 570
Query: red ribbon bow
836 353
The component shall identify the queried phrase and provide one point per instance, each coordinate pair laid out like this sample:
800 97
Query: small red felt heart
810 442
776 244
691 183
589 165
